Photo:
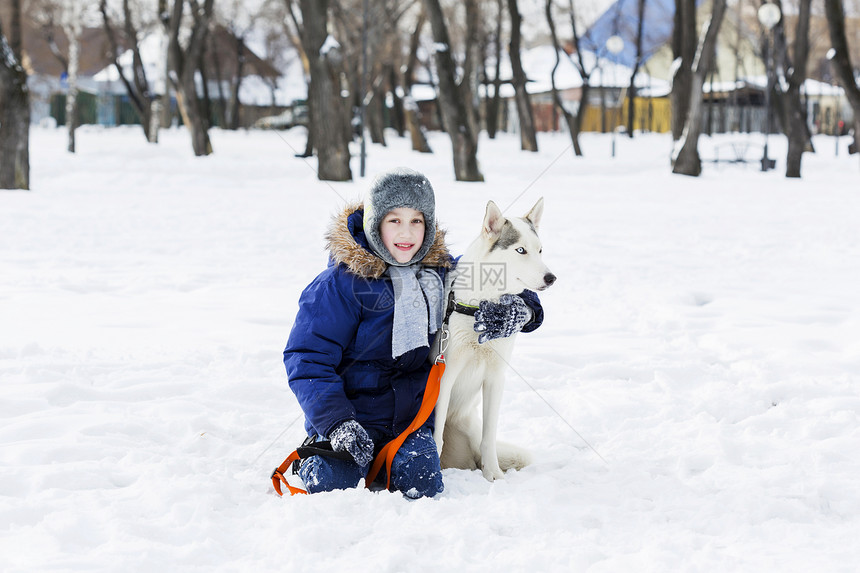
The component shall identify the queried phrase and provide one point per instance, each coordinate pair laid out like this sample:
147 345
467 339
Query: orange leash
386 454
278 476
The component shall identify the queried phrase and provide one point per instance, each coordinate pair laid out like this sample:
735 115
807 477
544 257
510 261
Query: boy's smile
402 232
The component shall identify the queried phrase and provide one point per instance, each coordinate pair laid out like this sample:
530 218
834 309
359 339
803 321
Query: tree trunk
329 126
468 83
411 114
295 36
222 115
309 141
528 138
493 102
465 146
584 73
684 51
686 160
72 28
398 120
631 91
140 95
841 61
570 120
376 113
236 84
14 108
184 63
796 127
161 112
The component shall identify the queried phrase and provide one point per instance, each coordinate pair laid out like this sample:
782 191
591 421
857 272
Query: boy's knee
418 472
421 476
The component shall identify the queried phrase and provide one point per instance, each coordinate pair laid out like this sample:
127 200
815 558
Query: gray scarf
417 306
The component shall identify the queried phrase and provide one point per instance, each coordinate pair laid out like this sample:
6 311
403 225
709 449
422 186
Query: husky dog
504 259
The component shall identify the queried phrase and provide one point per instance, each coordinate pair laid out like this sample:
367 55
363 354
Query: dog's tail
512 457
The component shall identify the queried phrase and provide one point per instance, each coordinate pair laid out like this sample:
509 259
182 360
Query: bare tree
794 71
70 15
14 108
469 81
184 62
140 93
464 144
232 109
410 107
686 160
841 61
528 138
237 21
161 105
73 26
381 41
493 103
631 91
573 121
684 51
292 27
329 124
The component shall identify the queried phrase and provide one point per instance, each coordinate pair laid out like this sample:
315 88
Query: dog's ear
535 214
493 221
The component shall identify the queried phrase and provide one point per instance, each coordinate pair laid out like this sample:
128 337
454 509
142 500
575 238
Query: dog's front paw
492 474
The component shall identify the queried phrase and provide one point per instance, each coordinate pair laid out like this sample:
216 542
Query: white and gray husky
505 258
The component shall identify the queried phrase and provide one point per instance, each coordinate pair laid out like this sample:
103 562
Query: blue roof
622 19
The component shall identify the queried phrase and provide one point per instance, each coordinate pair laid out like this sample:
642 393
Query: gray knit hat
400 187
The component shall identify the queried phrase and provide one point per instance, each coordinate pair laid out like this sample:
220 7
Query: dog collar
454 306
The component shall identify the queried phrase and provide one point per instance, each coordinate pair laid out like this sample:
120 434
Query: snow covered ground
691 400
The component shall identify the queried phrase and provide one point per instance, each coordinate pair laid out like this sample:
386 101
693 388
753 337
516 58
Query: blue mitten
501 319
351 437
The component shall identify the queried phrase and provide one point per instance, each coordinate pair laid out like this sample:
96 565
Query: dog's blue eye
521 250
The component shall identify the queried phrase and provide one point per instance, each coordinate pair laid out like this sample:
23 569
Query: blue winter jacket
338 356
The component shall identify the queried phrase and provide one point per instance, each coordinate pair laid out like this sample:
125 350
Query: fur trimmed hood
346 244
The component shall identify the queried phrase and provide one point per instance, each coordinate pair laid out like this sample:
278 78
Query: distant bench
737 152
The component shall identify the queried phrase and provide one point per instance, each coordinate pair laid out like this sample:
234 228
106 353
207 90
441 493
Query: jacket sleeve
533 302
325 326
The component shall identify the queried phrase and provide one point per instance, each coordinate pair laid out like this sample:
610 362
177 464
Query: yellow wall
656 114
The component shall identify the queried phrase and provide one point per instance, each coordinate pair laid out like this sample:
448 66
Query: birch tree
69 16
73 27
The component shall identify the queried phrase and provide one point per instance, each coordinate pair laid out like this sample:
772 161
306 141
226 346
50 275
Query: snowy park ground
691 400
